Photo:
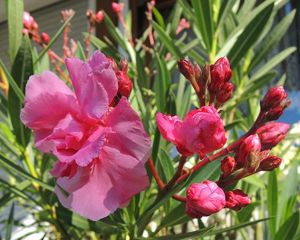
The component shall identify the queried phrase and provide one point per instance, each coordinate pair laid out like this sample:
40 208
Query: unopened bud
227 166
225 93
117 7
272 133
204 199
186 68
124 65
45 38
28 20
220 73
247 149
99 16
275 97
236 199
270 163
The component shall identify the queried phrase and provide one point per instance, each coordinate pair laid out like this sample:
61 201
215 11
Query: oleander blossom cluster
98 139
202 132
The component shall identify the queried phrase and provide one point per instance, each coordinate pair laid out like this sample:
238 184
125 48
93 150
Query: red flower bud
117 7
270 163
248 148
272 133
45 38
220 73
186 68
225 93
227 166
99 16
28 20
275 97
236 199
204 199
124 82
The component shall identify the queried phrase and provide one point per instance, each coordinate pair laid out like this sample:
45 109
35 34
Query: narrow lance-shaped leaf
249 36
272 200
15 10
21 71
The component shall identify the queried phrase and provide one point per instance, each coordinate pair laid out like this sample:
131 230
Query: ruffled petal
91 95
166 125
47 101
100 188
128 133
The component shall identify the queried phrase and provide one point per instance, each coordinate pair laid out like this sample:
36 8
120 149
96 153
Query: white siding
49 21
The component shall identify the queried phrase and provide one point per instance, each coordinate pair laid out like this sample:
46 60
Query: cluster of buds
31 28
206 198
215 78
94 18
203 128
124 83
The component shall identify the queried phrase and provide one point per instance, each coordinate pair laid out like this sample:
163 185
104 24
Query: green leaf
80 52
161 84
10 223
190 235
204 21
22 69
54 38
272 200
159 18
289 228
273 62
235 227
225 10
18 171
272 39
167 41
12 82
15 10
249 36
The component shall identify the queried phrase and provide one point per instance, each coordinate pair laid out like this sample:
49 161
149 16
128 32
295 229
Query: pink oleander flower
272 133
101 150
201 131
183 24
236 199
249 149
204 199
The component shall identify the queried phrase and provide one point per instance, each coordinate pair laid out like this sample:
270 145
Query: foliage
244 31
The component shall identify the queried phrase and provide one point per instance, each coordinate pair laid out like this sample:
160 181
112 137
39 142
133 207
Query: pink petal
128 133
104 74
166 125
107 184
94 82
47 101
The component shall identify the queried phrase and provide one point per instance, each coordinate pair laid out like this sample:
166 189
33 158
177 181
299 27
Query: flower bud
220 73
248 148
273 98
204 199
45 38
225 93
117 7
28 20
186 68
99 16
227 166
124 82
270 163
236 199
272 133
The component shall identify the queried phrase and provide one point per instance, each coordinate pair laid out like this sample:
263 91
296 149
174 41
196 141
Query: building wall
49 21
